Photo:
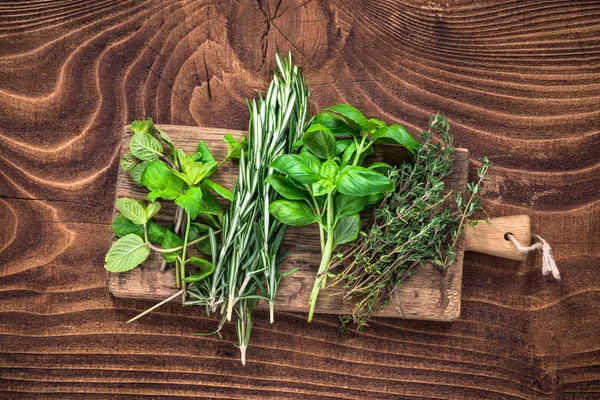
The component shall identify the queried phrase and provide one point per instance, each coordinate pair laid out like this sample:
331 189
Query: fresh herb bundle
250 240
412 225
327 184
176 177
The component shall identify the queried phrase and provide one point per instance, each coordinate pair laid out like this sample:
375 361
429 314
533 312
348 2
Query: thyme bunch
420 222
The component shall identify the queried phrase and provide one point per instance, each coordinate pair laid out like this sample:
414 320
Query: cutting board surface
429 294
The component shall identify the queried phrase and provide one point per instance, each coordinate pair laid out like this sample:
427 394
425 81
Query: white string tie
548 263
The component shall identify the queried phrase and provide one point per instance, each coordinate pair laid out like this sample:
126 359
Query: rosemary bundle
413 225
250 238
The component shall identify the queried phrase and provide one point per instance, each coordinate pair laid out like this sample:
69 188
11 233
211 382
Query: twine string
548 263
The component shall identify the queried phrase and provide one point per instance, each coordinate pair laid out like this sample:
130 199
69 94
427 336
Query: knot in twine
548 263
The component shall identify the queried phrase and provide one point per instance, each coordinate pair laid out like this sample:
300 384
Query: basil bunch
326 183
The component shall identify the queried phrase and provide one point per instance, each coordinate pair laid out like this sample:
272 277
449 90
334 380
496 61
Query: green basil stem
327 252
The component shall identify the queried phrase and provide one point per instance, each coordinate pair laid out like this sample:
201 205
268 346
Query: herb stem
154 307
183 259
174 249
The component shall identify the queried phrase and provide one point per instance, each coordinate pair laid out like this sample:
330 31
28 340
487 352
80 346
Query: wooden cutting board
429 294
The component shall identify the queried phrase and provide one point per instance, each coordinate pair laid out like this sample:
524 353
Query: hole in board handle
506 235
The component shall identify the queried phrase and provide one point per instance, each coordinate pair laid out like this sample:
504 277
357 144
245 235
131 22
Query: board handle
488 237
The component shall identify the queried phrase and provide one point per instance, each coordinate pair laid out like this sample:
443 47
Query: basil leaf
375 124
145 147
126 253
284 187
142 126
313 161
293 213
128 161
347 229
132 210
320 141
354 117
357 181
329 170
190 201
323 186
348 205
373 199
336 124
220 190
296 167
171 241
342 145
381 167
206 268
348 154
396 134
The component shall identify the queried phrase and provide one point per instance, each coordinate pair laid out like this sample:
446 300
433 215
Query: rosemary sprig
251 238
416 224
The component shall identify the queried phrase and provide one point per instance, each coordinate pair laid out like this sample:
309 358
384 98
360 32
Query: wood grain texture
519 81
429 294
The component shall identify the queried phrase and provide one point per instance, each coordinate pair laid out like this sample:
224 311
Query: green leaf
210 204
126 253
193 171
323 186
357 181
329 170
157 177
142 126
128 161
320 141
293 213
132 210
336 124
220 190
204 152
354 117
190 201
234 147
296 167
171 241
348 154
196 230
347 229
145 147
373 199
346 205
206 268
396 134
137 171
152 209
375 124
342 145
381 167
284 187
166 139
121 226
313 161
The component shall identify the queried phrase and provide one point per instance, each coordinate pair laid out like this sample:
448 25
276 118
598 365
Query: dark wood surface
519 81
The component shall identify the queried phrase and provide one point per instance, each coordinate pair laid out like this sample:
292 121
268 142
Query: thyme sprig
420 222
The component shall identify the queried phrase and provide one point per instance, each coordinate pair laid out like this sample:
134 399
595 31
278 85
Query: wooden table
519 81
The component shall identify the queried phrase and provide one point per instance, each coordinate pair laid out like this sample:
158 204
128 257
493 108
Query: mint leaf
210 204
161 182
220 190
171 241
137 171
145 147
166 139
132 210
196 230
152 209
126 253
128 161
142 126
206 268
234 147
204 152
190 201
